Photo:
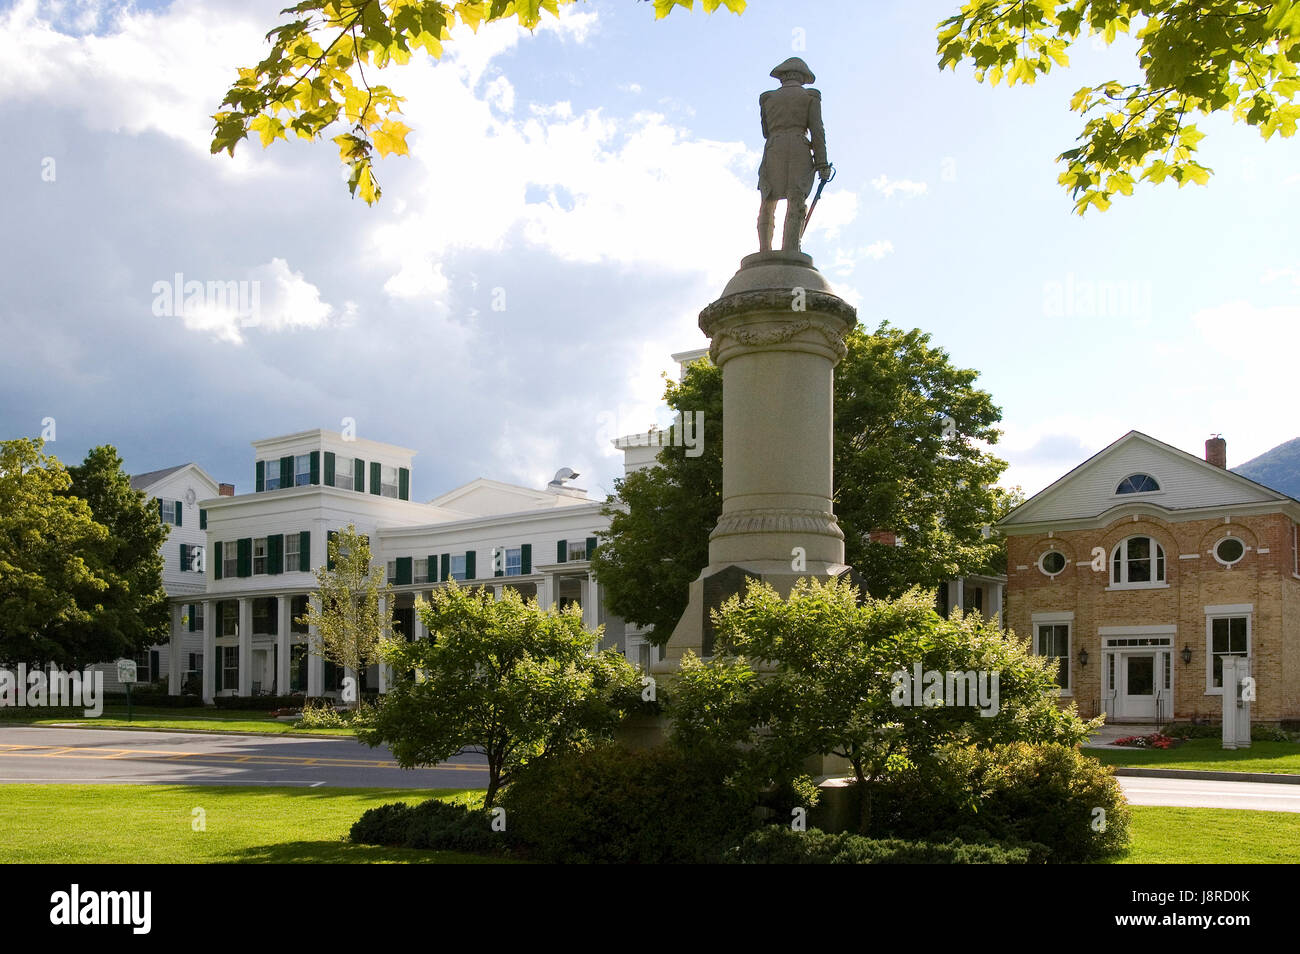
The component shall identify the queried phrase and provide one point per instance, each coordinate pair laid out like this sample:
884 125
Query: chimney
887 537
226 490
1216 451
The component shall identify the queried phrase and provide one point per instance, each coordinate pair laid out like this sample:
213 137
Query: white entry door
1137 686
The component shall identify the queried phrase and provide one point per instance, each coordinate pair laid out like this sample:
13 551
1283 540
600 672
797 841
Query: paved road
1199 793
48 755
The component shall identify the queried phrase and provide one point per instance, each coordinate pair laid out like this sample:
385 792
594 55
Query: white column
996 607
961 593
590 602
175 648
209 651
283 606
546 591
419 630
315 664
245 647
383 670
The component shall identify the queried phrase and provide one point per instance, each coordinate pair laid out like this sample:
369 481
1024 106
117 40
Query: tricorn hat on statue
796 66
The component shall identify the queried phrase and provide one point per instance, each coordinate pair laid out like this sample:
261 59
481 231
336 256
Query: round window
1052 562
1229 550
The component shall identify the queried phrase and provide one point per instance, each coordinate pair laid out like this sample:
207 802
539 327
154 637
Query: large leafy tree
816 673
1195 58
352 609
505 676
46 537
132 612
908 460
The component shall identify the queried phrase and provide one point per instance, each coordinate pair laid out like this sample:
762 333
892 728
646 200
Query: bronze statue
789 157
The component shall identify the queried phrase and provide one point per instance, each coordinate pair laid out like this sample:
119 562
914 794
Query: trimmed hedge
1016 793
436 825
779 845
155 699
625 806
263 702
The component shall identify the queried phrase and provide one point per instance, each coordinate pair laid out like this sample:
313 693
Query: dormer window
1137 484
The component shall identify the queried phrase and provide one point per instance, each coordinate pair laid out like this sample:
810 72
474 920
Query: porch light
1187 654
1083 657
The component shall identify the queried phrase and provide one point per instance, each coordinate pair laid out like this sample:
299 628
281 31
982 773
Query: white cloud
887 186
272 299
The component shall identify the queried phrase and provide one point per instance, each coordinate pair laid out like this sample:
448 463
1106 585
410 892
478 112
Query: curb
145 728
1130 772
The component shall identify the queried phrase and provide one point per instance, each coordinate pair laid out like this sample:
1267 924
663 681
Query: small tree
505 676
346 611
816 675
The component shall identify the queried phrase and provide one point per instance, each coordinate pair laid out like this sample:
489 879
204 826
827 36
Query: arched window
1137 484
1137 561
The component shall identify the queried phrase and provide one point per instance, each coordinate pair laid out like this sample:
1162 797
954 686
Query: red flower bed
1153 741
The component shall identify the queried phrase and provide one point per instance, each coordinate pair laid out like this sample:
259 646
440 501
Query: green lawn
1207 754
209 720
86 824
1212 836
89 824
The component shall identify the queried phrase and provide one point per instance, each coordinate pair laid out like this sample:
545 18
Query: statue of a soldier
790 115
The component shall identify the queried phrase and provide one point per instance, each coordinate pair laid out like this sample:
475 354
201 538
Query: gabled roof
483 497
145 481
1187 482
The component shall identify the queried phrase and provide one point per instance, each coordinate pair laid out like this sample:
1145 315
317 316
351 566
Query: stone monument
777 332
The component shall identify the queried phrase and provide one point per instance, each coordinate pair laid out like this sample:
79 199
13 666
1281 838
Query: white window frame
1043 570
1226 611
230 559
167 511
1065 619
291 566
514 562
455 573
416 575
388 481
263 557
1160 487
1119 561
198 617
390 571
1214 550
344 472
301 470
230 621
577 551
270 467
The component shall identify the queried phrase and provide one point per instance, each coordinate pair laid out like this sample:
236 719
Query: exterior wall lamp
1187 654
1083 657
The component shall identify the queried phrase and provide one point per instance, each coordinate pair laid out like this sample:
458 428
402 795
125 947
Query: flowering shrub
1153 741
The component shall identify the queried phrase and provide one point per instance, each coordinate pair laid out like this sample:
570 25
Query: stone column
245 646
776 333
209 651
283 642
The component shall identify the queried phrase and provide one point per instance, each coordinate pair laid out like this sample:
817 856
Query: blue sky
598 180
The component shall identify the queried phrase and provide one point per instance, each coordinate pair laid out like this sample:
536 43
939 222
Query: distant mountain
1278 468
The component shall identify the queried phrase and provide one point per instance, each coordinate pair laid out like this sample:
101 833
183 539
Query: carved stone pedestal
777 333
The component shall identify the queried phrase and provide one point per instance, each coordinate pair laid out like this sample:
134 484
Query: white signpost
1238 694
126 674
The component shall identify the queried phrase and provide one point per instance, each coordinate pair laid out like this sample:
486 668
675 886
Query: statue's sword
816 198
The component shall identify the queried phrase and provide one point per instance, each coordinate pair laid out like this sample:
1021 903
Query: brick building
1143 567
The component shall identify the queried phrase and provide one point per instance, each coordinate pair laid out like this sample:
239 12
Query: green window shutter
404 565
525 558
562 551
160 511
286 471
433 568
178 513
374 476
471 571
315 467
403 484
274 615
359 475
304 551
329 557
220 614
275 553
244 557
591 546
216 561
185 557
203 519
193 621
329 468
215 663
498 561
259 482
444 565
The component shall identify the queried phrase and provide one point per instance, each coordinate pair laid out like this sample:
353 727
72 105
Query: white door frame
1118 644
